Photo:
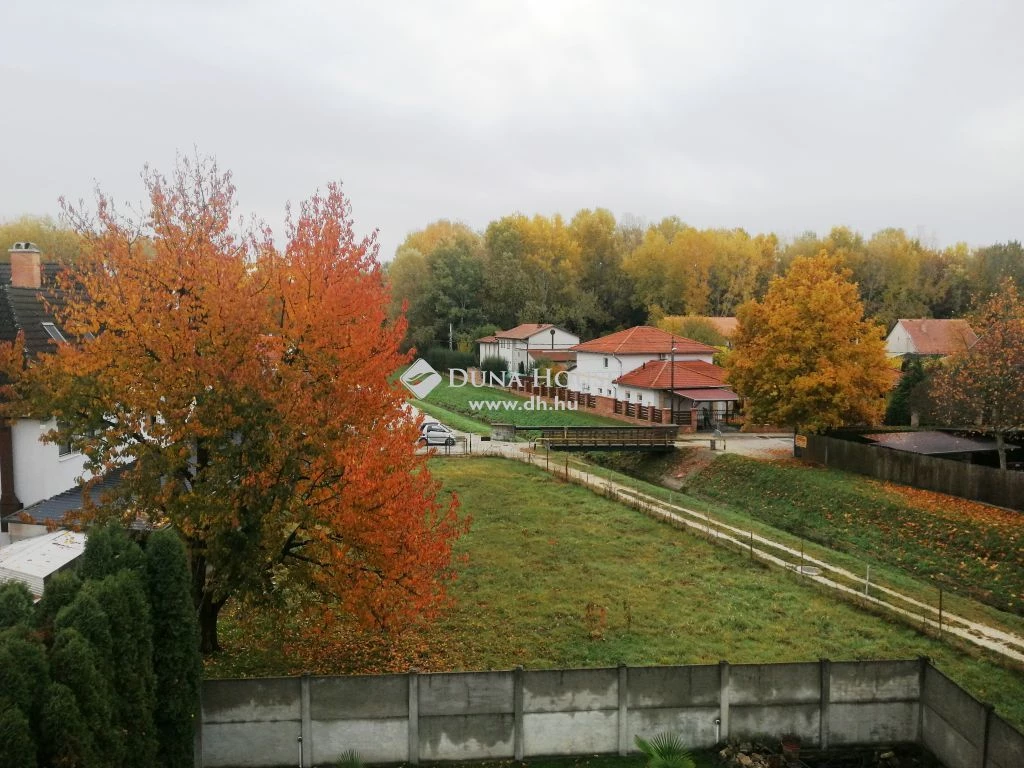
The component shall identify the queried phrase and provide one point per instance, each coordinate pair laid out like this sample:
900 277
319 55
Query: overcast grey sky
782 116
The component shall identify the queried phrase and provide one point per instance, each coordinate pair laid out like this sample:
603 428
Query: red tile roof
487 339
939 337
554 355
643 339
659 374
524 331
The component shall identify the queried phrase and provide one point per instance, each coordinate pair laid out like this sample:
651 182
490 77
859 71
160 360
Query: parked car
436 434
428 424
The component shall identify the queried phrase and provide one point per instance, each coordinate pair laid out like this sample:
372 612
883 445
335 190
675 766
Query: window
63 449
54 332
627 395
606 362
639 396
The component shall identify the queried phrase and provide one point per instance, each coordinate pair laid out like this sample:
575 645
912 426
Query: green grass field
457 400
556 576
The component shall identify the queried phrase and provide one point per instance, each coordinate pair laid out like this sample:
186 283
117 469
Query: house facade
31 471
697 387
522 346
929 337
602 361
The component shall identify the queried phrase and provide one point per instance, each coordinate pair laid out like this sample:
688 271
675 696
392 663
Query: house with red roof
523 345
653 370
929 337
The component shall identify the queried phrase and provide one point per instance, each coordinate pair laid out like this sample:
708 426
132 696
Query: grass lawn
457 400
961 546
556 576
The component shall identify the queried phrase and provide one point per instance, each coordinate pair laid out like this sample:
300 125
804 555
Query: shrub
66 739
442 358
109 550
666 750
15 604
494 364
17 747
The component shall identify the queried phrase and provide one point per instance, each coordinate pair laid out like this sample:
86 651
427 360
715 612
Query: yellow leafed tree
805 356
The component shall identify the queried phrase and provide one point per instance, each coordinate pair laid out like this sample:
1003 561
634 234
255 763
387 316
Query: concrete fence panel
571 712
875 703
1005 745
466 716
366 714
251 722
685 700
775 698
952 722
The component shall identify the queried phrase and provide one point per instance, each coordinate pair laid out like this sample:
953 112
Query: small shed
33 561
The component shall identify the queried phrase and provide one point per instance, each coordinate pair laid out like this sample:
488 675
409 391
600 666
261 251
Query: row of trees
592 274
105 669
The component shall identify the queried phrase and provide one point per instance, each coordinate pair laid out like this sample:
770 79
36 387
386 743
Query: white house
600 362
929 337
522 346
31 471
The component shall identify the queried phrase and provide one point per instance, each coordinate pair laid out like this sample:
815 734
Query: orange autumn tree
241 391
805 356
983 386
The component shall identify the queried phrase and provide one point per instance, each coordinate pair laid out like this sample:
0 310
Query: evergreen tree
85 615
66 741
60 591
24 672
901 401
17 747
109 550
176 659
126 604
15 604
77 664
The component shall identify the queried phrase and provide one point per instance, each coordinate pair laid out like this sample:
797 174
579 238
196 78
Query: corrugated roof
662 374
939 337
58 508
932 442
30 561
643 339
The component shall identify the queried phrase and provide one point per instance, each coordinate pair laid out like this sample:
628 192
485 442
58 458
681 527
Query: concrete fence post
924 662
826 696
414 718
623 707
723 701
197 741
517 712
985 736
306 733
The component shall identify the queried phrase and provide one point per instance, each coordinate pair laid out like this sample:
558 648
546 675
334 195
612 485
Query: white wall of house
488 349
595 372
516 352
898 342
39 470
643 396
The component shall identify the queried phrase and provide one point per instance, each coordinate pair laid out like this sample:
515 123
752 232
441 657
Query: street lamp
672 385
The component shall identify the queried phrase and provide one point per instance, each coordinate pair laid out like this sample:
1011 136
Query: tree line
593 275
105 669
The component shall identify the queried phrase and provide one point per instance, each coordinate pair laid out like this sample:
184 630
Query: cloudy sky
785 116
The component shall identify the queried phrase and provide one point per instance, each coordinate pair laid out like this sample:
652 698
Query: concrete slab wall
517 714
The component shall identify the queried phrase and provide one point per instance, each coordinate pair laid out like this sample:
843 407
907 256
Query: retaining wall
518 714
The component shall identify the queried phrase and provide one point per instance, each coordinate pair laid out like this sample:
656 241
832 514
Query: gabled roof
524 331
24 309
939 337
643 339
487 339
662 374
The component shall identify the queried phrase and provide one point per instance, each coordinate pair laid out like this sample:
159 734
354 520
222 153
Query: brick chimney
26 265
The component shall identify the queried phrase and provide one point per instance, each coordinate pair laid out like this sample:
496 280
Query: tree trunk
209 610
1001 448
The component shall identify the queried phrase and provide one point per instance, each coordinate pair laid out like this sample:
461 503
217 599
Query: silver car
436 434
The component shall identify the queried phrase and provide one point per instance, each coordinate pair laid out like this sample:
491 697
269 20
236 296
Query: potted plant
790 743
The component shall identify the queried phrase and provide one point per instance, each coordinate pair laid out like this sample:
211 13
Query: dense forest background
593 274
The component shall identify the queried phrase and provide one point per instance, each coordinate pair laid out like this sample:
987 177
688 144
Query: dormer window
54 332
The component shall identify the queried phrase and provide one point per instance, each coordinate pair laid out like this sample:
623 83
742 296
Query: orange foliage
250 387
